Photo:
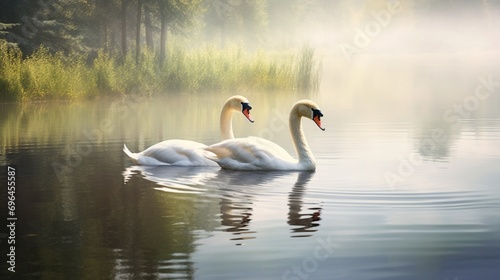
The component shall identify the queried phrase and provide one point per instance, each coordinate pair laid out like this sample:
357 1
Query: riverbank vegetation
43 75
86 49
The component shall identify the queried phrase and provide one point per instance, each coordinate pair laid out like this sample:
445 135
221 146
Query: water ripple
415 201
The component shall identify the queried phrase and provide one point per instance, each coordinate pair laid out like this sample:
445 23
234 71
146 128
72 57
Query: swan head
240 103
310 110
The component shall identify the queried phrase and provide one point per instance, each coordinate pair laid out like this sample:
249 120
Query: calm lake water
407 183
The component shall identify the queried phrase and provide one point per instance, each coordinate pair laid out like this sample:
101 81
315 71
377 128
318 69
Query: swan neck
226 125
304 153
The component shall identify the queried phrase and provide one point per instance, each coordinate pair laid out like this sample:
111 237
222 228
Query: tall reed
308 70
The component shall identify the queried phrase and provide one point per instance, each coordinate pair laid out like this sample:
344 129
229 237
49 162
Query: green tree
241 20
175 16
138 31
3 28
54 25
123 17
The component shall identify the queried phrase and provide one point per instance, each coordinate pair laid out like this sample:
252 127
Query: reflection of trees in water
445 101
50 232
94 123
153 232
433 134
434 139
97 227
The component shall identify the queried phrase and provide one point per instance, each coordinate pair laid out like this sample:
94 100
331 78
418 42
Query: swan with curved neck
232 105
190 153
253 153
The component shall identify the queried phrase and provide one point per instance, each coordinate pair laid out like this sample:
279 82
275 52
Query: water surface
400 191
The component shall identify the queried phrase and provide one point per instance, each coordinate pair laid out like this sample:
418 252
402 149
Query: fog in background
376 26
379 58
395 26
388 59
416 61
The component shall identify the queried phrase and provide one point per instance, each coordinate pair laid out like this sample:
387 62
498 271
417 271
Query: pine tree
3 30
175 16
244 20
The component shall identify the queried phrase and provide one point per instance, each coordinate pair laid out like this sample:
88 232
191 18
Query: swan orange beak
318 122
317 118
246 111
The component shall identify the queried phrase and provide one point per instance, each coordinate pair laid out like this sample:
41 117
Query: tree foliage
92 25
121 26
4 27
241 20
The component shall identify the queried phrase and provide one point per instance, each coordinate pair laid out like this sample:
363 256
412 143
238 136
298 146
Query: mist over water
401 60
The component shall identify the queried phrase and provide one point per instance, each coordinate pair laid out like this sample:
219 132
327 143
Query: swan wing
251 153
173 152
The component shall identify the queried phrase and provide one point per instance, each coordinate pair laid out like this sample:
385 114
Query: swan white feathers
171 152
253 153
190 153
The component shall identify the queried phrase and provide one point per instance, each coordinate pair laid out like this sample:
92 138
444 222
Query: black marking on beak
245 109
246 105
317 118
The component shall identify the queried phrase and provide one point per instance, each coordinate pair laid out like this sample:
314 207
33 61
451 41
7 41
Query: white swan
253 153
190 153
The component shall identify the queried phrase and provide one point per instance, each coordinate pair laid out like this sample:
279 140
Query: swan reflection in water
236 192
305 222
176 179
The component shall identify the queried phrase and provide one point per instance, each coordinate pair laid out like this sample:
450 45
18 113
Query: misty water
406 185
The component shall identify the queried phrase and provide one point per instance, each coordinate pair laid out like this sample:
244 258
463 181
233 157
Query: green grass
43 75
